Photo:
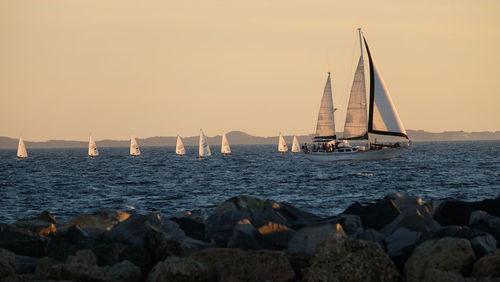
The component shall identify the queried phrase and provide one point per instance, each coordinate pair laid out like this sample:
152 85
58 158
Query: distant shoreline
242 138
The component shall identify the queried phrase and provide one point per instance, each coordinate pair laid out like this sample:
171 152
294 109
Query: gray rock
453 212
242 203
21 241
446 254
401 239
244 237
487 266
220 225
484 244
305 240
47 217
177 269
372 235
488 223
347 259
84 256
162 245
100 221
275 234
37 226
124 271
418 219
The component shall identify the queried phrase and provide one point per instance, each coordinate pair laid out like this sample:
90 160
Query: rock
237 265
298 262
110 253
437 275
43 267
177 269
296 217
372 235
275 234
419 220
47 217
21 241
220 225
243 203
487 266
67 242
21 264
162 245
244 237
37 226
453 212
483 221
7 263
484 244
305 240
347 259
446 254
84 256
191 227
124 271
100 220
400 240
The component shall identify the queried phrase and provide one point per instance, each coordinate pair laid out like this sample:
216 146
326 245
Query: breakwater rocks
397 238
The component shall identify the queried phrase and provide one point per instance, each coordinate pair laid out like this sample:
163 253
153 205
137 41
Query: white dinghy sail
325 128
21 149
225 149
134 147
295 145
93 152
282 147
179 146
204 148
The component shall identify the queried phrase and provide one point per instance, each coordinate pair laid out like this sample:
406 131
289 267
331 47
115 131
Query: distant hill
242 138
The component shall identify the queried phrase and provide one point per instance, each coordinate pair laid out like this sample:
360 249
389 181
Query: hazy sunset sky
167 67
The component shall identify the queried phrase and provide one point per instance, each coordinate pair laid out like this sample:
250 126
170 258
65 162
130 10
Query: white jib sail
282 147
385 115
326 124
21 149
134 147
225 149
356 121
93 152
204 148
179 146
295 145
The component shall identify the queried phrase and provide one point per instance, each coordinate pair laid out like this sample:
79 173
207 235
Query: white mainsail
225 149
356 121
282 147
325 127
21 149
383 118
134 147
179 146
204 148
295 145
93 152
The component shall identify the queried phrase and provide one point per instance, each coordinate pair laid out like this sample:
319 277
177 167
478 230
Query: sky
115 68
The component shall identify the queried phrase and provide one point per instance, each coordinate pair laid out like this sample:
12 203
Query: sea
68 183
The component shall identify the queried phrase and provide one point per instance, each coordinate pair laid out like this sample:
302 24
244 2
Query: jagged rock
175 269
372 235
347 259
100 220
220 225
110 253
238 265
305 240
162 245
399 240
295 217
242 203
484 244
485 222
191 227
21 241
84 256
275 234
487 266
21 264
134 229
37 226
437 275
67 242
453 212
298 262
419 220
47 217
7 263
124 271
446 254
43 266
244 237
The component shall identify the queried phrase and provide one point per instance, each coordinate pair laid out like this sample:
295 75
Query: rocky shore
397 238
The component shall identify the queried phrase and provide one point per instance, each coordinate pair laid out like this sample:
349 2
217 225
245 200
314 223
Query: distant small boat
134 147
204 148
93 152
282 147
21 149
179 146
295 145
224 148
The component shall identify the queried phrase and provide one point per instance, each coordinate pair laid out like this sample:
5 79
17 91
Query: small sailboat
282 147
21 149
93 152
382 119
224 148
204 148
179 146
295 145
134 147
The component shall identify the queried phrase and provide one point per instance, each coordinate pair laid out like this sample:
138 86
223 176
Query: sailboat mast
360 43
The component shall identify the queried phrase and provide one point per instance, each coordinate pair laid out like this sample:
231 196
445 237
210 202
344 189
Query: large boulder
192 224
175 269
487 266
244 237
242 203
454 212
305 240
21 241
124 271
446 254
19 264
37 226
400 241
275 234
238 265
220 225
419 220
162 245
66 242
347 259
481 220
100 221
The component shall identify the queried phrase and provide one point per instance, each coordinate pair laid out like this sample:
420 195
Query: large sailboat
93 152
204 148
224 148
21 149
282 147
179 146
382 120
134 147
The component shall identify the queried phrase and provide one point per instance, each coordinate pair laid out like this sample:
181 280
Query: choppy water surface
67 182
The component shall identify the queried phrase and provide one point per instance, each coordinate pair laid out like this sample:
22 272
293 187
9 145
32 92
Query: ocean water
68 183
